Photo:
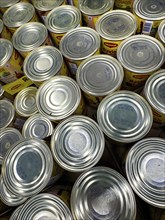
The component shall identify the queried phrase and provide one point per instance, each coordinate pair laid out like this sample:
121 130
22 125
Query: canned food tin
7 113
5 4
19 14
73 2
124 116
113 27
91 10
27 167
62 19
99 76
15 213
140 55
25 102
149 14
43 63
4 32
145 164
123 4
102 193
161 32
10 62
77 45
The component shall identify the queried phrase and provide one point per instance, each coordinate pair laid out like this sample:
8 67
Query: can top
116 25
14 214
25 102
145 164
161 31
63 19
154 90
47 5
7 3
1 26
7 113
27 167
43 63
77 143
37 126
79 43
141 54
6 49
150 9
102 193
29 36
18 14
96 7
100 75
58 97
124 116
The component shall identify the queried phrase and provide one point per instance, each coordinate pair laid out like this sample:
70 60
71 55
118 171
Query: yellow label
89 20
74 2
158 117
81 107
109 47
5 33
123 4
56 38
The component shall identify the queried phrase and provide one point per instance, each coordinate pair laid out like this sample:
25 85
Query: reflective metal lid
37 126
100 75
15 213
25 102
43 63
102 193
161 31
29 36
6 50
47 5
145 164
63 19
58 97
79 43
27 167
7 113
1 26
141 53
124 116
18 14
116 25
1 91
7 3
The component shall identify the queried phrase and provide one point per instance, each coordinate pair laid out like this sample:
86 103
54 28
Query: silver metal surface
1 26
47 5
7 113
161 31
15 213
6 49
7 3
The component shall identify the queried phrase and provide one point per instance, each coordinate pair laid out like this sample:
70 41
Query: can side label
109 47
81 107
93 100
158 117
5 33
123 4
56 38
64 70
89 20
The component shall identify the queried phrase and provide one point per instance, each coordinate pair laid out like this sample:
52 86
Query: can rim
8 4
39 4
8 47
161 31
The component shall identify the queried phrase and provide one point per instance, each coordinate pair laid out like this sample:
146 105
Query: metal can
77 45
14 214
73 2
59 98
5 4
113 27
102 193
99 76
4 32
145 164
160 35
141 56
10 62
7 113
19 14
62 19
149 14
43 63
124 116
123 4
92 10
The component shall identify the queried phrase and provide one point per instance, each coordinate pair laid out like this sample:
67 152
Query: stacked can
4 32
5 4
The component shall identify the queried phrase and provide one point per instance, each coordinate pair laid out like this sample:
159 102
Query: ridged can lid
7 48
7 3
7 113
47 5
15 213
161 31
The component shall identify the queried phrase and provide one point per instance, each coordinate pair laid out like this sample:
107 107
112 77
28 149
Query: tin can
7 113
43 63
113 27
14 214
62 19
92 10
123 4
160 35
19 14
149 14
30 36
59 97
102 192
99 76
141 56
10 62
145 164
124 116
77 45
4 32
5 4
73 2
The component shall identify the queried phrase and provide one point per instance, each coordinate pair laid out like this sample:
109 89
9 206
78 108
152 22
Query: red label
110 45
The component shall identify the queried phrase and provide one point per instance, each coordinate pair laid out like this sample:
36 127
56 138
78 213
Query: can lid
63 18
96 7
1 91
18 14
150 9
7 113
102 193
58 97
116 25
141 54
79 43
29 36
124 116
161 31
47 5
15 213
7 3
25 102
6 49
100 75
43 63
37 126
1 26
145 165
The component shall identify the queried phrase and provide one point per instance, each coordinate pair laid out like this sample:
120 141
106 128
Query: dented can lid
6 48
47 5
161 31
7 3
7 113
